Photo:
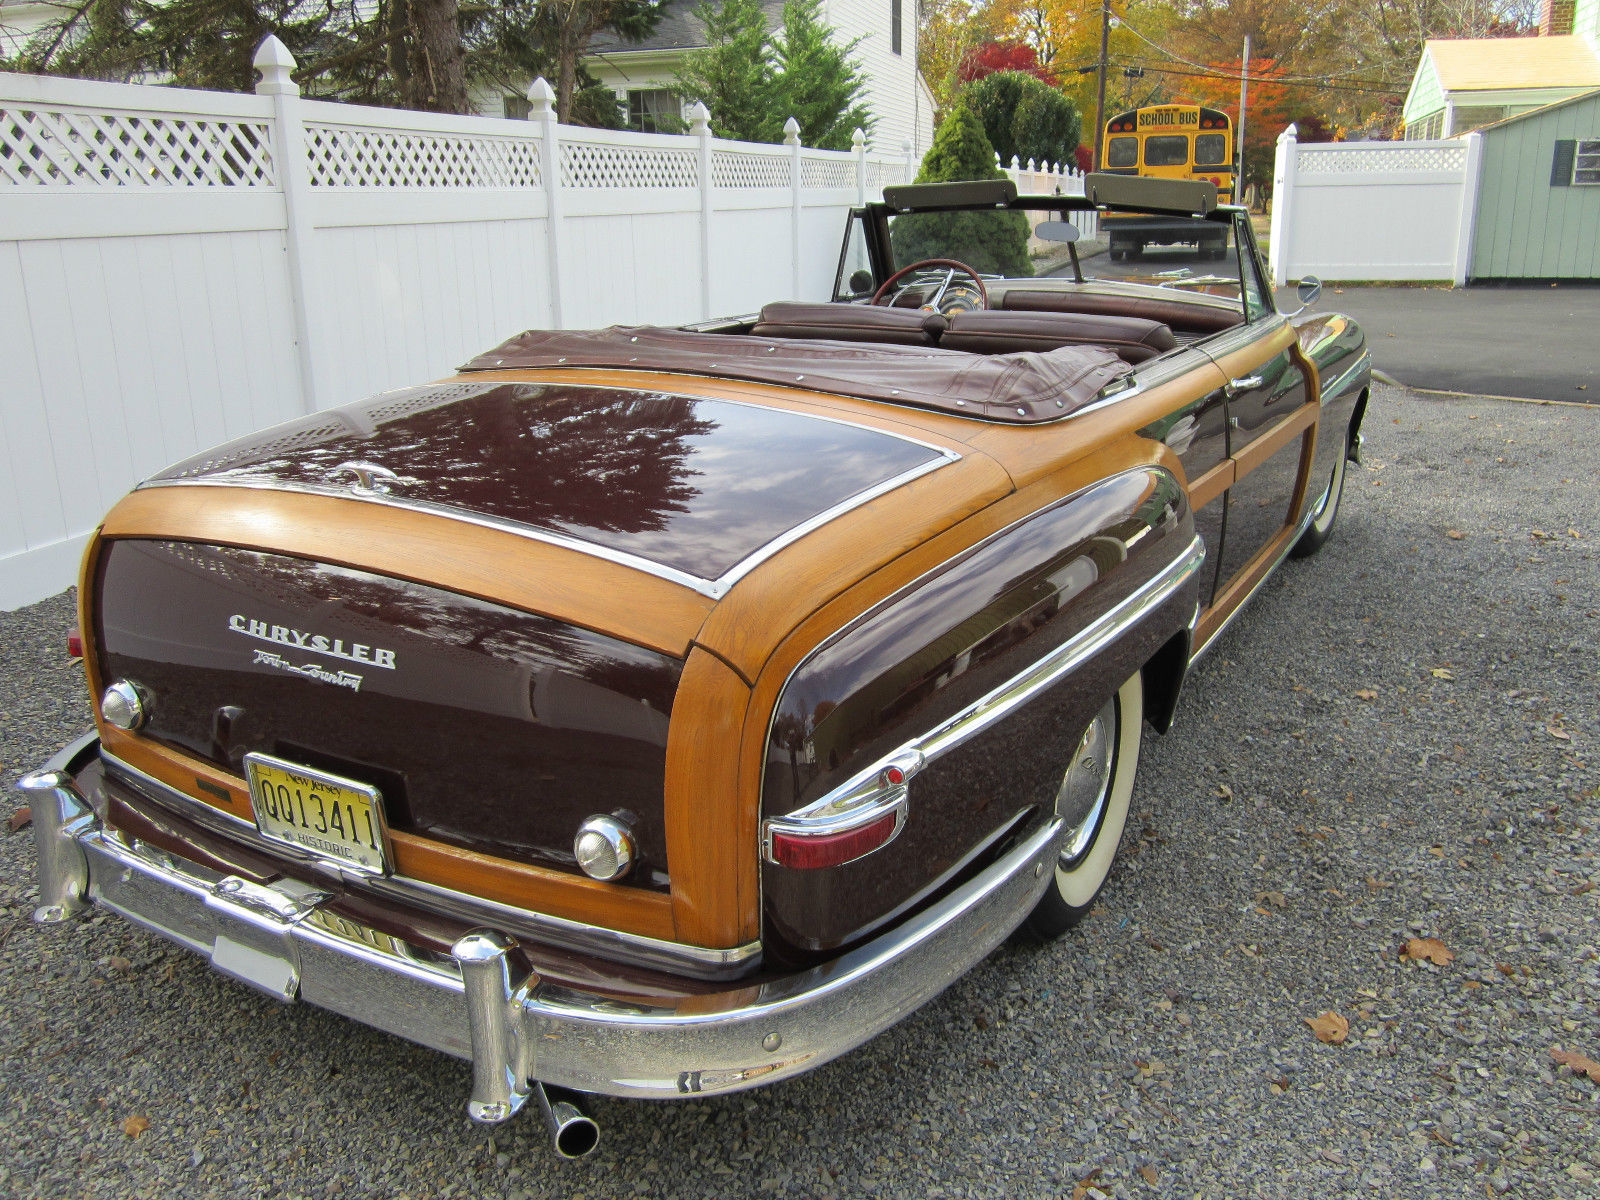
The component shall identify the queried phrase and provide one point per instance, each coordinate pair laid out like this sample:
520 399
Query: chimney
1555 17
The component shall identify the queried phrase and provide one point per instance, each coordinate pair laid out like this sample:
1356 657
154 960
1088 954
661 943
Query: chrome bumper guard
479 1006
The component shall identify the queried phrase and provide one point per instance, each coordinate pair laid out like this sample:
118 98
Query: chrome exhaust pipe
573 1131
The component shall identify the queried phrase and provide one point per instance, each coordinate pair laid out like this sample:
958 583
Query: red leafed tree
990 57
1273 104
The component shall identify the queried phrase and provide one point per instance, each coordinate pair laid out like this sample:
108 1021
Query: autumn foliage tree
989 57
1273 104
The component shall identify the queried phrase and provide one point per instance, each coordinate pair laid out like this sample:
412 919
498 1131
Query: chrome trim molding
631 948
514 1027
369 492
1336 386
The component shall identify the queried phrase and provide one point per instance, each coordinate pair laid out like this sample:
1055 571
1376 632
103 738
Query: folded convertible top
1020 388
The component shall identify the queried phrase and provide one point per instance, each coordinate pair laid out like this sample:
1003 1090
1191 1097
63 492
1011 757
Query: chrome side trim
1017 691
1305 522
632 948
714 588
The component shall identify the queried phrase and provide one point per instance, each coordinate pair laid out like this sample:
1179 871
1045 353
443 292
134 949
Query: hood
696 488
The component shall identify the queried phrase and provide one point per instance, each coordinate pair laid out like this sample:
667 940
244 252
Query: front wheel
1323 515
1092 802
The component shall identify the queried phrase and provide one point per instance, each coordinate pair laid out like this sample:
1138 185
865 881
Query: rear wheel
1324 514
1092 802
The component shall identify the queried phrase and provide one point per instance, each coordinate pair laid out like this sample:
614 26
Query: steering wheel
950 265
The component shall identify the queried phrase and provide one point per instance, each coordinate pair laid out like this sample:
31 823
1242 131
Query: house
896 94
20 20
1462 84
1539 194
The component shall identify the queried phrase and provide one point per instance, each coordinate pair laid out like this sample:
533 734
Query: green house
1538 211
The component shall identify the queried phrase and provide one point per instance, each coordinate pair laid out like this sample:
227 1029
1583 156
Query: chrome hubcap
1081 798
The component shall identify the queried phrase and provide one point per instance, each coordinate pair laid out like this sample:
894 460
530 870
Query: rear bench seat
1133 339
1184 318
849 323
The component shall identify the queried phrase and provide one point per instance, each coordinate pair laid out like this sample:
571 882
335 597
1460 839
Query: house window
894 25
1586 162
515 108
651 108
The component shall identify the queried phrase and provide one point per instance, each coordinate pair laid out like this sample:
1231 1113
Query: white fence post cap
1290 134
699 118
275 63
543 98
791 132
858 139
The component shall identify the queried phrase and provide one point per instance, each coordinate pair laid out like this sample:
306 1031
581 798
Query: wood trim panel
711 824
1211 485
1280 435
87 571
490 564
779 593
517 884
1253 354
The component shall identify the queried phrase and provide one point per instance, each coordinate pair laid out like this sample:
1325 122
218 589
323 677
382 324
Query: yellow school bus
1173 141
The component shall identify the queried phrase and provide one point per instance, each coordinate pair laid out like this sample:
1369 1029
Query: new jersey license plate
326 815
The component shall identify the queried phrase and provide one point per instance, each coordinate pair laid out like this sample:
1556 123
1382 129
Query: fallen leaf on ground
1366 694
1149 1174
1454 534
1441 673
119 964
20 819
1558 733
1330 1027
1224 791
1084 1185
1276 899
134 1126
1578 1064
1586 886
1431 949
1505 969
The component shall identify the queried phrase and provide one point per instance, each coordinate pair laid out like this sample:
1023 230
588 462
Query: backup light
605 848
123 705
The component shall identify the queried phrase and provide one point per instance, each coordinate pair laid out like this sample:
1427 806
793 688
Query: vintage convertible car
662 712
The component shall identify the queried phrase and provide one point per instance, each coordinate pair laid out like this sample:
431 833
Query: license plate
336 819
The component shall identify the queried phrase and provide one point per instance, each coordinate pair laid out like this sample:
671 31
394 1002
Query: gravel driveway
1398 740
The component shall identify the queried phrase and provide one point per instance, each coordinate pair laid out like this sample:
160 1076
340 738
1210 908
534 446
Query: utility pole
1100 98
1244 96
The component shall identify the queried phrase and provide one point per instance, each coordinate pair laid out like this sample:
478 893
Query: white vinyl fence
1374 210
178 268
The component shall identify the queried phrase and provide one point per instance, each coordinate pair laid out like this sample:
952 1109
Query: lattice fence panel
734 169
350 156
1312 161
884 174
595 165
827 172
63 147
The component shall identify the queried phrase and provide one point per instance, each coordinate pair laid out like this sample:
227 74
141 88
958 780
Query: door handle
1244 383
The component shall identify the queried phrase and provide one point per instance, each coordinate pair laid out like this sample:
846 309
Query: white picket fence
178 268
1374 210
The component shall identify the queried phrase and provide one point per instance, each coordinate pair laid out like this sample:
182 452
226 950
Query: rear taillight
75 643
848 823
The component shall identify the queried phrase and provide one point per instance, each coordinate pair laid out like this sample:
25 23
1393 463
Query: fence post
1470 178
791 139
700 127
858 145
1285 164
542 98
275 63
910 173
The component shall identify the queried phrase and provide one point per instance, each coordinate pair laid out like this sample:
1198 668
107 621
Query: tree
995 242
1025 118
1006 55
574 24
754 81
947 31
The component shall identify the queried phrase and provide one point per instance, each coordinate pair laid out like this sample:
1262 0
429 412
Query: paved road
1540 343
1398 739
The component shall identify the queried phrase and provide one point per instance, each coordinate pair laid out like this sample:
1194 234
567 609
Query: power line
1212 72
1233 78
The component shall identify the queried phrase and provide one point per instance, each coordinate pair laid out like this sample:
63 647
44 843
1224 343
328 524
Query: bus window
1171 150
1210 150
1122 152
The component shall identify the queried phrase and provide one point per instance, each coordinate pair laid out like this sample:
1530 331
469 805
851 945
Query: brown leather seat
1188 318
1132 339
849 323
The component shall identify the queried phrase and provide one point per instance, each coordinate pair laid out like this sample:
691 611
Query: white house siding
899 112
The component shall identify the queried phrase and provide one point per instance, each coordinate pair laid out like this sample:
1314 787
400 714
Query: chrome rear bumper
480 1006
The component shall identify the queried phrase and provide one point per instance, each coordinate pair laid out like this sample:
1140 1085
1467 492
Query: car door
1271 422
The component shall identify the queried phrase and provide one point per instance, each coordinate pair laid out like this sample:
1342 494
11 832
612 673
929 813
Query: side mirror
861 283
1310 288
